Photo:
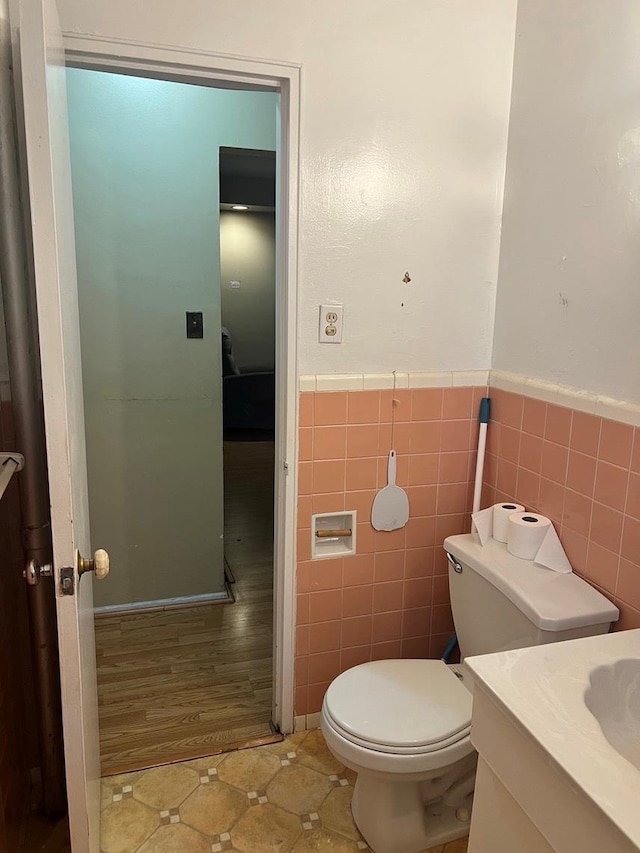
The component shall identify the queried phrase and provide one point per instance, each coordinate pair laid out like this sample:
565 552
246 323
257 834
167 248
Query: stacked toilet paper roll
492 522
501 515
533 537
527 535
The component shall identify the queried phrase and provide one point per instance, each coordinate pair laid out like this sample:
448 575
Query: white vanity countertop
543 688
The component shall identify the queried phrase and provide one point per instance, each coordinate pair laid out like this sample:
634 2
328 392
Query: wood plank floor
182 683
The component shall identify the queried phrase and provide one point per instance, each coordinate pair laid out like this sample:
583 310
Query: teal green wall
145 180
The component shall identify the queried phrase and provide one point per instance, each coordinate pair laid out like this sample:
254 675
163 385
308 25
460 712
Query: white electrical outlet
330 324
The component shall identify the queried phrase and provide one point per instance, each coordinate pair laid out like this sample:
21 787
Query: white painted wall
247 255
403 143
568 306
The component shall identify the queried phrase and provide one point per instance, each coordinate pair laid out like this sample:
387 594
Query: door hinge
34 571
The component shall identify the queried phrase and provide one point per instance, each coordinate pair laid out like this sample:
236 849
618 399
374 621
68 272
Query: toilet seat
399 707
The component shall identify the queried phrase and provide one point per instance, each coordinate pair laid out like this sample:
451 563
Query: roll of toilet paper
526 532
501 515
492 522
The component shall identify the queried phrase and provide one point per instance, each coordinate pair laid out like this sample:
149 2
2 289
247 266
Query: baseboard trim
225 597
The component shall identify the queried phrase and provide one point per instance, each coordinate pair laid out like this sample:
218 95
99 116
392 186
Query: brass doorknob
99 565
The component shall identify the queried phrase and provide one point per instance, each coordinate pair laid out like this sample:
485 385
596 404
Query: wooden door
49 176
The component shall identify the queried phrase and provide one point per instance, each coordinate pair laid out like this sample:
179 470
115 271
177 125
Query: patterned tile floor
288 796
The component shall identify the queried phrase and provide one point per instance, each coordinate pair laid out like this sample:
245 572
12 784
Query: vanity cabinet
544 768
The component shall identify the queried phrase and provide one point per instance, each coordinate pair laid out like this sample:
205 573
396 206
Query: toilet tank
500 602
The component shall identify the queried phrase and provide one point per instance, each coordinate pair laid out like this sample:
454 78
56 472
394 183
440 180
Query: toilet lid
398 705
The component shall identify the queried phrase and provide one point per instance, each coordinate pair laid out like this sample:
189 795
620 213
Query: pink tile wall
392 598
583 472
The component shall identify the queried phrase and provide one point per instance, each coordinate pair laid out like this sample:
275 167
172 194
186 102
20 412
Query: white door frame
197 67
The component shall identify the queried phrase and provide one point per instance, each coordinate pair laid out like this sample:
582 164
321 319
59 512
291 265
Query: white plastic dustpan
390 509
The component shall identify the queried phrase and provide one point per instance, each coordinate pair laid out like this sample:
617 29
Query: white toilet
403 725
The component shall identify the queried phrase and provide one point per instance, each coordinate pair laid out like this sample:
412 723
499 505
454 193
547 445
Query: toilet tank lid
550 600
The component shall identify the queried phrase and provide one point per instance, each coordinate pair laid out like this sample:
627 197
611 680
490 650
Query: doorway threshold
128 766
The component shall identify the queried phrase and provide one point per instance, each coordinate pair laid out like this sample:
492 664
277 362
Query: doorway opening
184 664
247 295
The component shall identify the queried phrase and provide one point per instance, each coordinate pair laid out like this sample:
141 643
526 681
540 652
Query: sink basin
613 697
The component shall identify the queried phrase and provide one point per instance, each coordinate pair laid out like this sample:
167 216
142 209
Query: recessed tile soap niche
333 534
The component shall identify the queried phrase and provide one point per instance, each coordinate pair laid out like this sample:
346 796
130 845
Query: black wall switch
195 324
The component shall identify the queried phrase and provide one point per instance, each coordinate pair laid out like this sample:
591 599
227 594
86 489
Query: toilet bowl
403 726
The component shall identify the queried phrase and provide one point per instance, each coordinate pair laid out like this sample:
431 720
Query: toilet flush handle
454 563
